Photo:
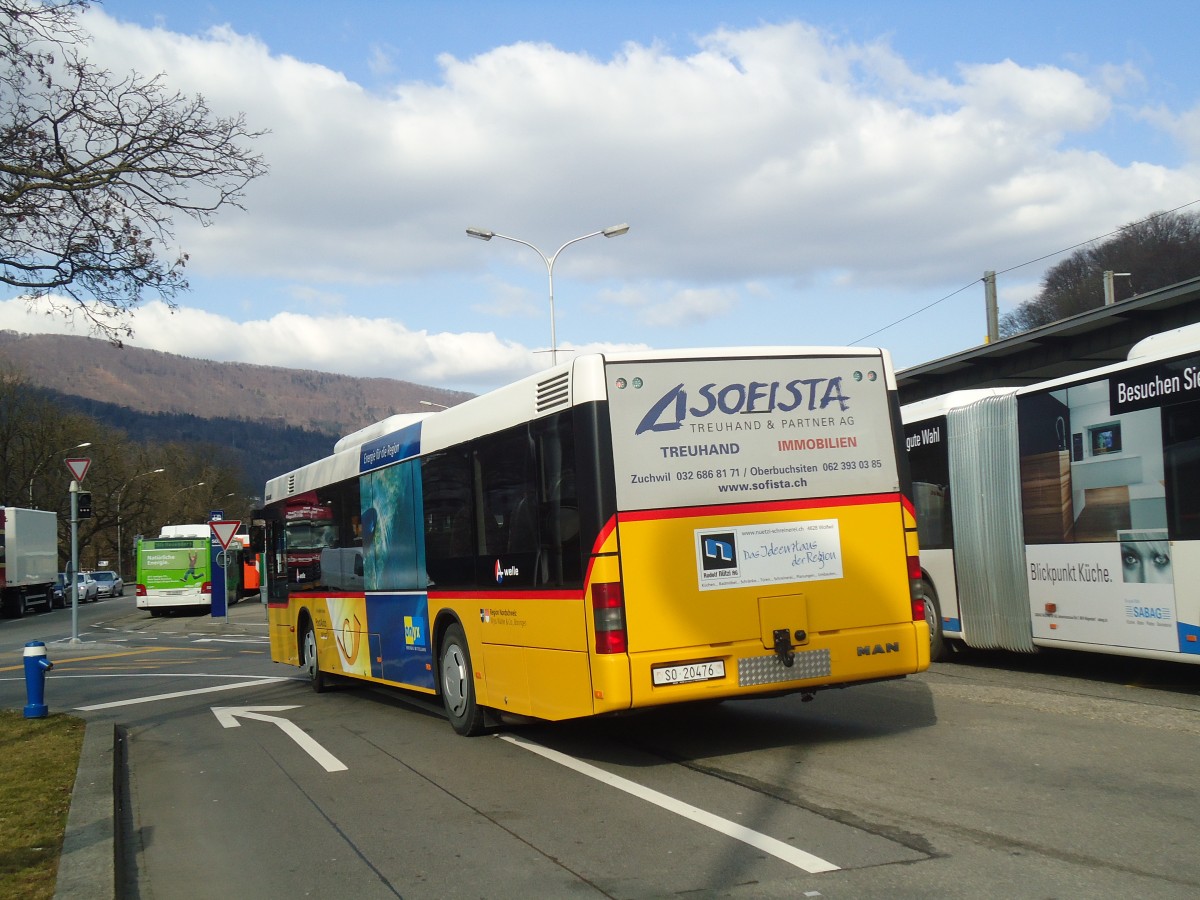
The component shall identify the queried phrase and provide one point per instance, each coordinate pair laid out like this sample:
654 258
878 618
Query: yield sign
225 529
78 467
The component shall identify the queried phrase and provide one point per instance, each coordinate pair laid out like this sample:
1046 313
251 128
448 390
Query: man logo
718 551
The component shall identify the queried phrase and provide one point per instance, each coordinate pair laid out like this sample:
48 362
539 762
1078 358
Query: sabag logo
671 410
718 551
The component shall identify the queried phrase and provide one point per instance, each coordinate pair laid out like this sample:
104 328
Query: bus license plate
682 674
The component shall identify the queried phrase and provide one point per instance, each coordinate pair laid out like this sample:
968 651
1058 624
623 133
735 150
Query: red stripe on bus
683 512
505 595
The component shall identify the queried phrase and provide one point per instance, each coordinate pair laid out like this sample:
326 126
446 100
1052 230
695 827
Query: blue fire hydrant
36 666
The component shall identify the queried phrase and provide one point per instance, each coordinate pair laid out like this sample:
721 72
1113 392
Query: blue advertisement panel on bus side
401 647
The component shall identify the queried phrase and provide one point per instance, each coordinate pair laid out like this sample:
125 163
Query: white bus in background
1067 513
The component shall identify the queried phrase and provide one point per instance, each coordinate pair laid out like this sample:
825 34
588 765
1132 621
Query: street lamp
431 403
120 491
182 489
611 231
38 467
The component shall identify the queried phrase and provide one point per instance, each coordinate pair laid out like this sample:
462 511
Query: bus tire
938 651
457 684
317 679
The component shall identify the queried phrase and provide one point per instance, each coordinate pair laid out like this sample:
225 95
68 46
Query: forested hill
262 449
150 381
270 419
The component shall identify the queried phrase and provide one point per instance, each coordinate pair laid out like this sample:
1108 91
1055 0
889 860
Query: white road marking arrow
228 717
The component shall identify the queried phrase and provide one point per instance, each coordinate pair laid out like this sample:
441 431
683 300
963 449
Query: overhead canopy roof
1084 341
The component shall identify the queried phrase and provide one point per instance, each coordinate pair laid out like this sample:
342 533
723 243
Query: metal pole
993 312
74 561
611 231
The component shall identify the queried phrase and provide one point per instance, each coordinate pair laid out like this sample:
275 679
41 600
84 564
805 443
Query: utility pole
993 312
1110 293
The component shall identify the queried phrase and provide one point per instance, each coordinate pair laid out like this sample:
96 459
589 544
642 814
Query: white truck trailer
28 559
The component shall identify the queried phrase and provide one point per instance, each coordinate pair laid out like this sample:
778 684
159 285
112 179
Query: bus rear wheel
938 650
458 685
317 679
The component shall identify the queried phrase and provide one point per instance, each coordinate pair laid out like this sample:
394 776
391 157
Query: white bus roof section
185 531
939 406
1167 343
330 470
379 429
580 379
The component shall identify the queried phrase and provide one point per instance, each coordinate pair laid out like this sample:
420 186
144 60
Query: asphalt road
1062 775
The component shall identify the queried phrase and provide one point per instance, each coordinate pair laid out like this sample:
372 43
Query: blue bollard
36 666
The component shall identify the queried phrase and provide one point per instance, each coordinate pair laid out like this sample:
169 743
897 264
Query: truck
28 559
174 570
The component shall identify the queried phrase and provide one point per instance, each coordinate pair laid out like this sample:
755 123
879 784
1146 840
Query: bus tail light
206 587
914 588
141 590
608 612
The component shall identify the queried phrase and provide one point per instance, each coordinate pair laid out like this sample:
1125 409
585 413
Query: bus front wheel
316 678
457 684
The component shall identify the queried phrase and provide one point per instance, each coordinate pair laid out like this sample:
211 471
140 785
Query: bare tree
1161 249
94 166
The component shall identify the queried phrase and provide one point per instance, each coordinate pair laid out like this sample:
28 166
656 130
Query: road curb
87 866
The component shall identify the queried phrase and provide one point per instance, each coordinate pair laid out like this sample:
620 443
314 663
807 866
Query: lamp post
182 489
611 231
38 467
120 491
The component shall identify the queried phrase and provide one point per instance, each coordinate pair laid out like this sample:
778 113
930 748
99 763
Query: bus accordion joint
608 611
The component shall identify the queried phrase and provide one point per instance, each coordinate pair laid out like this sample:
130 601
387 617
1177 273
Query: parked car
89 591
58 594
110 583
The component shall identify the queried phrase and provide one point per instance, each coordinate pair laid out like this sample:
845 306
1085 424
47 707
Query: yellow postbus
620 531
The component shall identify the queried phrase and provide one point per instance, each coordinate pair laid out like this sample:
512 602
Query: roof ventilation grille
554 392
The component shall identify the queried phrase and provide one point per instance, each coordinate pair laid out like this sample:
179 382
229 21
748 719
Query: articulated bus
1066 514
621 531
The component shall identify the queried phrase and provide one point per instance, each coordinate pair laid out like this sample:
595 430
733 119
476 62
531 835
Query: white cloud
351 345
760 133
779 155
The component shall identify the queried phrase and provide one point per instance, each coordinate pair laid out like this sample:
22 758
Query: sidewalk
87 868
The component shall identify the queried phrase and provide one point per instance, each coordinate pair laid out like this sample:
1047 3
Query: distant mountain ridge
151 381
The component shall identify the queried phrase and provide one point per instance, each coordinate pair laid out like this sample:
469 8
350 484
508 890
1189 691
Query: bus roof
577 380
185 531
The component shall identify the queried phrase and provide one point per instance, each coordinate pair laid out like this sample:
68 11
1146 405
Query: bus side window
446 495
561 562
508 497
1181 451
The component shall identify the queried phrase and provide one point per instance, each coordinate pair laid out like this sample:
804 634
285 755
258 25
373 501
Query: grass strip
41 757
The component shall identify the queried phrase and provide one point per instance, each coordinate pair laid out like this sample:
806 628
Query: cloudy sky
792 173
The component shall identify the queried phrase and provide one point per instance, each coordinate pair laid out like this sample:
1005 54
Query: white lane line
174 694
786 852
